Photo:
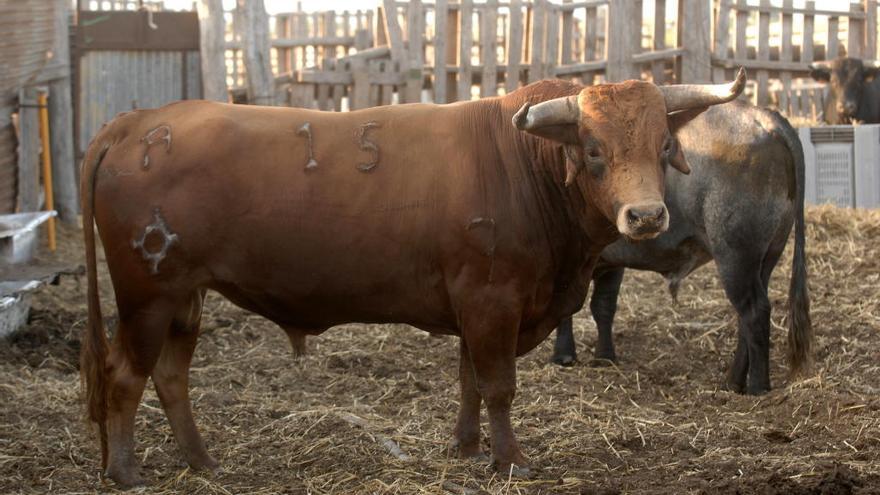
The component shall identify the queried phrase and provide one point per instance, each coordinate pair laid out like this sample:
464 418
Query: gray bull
745 192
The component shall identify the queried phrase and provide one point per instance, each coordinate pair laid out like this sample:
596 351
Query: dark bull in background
853 90
745 192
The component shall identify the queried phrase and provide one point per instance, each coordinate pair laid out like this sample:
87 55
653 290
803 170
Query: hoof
472 452
208 464
758 390
566 360
734 386
125 478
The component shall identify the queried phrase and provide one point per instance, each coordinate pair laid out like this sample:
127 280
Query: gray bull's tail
800 328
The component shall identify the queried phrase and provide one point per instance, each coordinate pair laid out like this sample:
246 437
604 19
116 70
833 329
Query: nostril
632 216
659 213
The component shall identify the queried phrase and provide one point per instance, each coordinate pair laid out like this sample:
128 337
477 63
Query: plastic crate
842 165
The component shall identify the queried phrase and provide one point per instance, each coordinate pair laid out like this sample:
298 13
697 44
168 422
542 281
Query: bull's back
290 212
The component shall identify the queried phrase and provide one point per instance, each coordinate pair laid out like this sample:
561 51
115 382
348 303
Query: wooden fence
445 50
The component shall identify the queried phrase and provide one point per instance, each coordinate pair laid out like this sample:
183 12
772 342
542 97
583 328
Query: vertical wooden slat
282 58
567 37
441 13
809 22
742 23
28 151
536 50
786 56
212 50
870 51
392 30
831 48
488 44
255 43
658 68
551 54
452 35
856 34
514 46
466 33
694 34
722 38
762 75
591 41
61 123
416 57
623 41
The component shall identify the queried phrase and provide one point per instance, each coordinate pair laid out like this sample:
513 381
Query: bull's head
624 136
847 78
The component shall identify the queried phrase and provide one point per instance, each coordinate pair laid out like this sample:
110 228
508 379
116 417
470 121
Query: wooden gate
132 59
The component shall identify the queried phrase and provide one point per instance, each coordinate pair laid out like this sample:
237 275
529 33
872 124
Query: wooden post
786 56
452 36
658 67
28 151
856 37
831 48
415 54
551 43
488 42
693 35
514 46
47 165
441 16
763 75
722 38
622 40
567 21
255 47
466 31
536 52
61 122
212 50
870 27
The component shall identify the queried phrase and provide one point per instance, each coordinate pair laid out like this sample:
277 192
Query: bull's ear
677 159
820 72
677 120
870 71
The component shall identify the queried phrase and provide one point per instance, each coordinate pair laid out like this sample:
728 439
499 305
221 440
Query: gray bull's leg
743 284
603 306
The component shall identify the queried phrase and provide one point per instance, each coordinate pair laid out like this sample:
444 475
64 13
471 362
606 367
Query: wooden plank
786 56
61 123
742 23
441 16
488 45
255 43
722 38
28 151
623 41
451 55
338 90
536 50
809 22
762 77
212 50
416 58
566 38
696 19
466 32
514 46
832 48
658 68
361 86
591 42
395 36
856 34
551 43
870 51
282 58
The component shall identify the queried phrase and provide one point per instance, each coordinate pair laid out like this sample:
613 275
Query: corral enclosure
658 422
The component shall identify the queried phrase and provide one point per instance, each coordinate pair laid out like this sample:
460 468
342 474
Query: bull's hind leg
466 436
171 378
742 279
133 354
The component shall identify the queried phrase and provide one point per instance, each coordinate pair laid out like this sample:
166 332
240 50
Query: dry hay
656 423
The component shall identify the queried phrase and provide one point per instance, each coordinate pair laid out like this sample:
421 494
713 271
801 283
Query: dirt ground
656 423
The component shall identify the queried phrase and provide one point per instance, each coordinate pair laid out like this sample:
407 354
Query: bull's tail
95 347
800 327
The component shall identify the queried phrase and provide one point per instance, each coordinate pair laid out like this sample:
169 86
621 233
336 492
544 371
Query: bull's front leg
490 338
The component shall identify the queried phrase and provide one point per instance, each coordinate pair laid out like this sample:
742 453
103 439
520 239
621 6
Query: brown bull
445 217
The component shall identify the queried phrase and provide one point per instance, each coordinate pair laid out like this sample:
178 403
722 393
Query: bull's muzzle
643 220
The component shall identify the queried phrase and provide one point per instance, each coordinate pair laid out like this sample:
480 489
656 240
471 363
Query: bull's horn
824 65
871 64
687 96
557 111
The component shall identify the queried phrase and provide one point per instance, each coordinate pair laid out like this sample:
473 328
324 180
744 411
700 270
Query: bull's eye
668 146
593 154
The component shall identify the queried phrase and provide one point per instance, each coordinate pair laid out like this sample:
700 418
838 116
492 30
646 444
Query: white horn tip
736 88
